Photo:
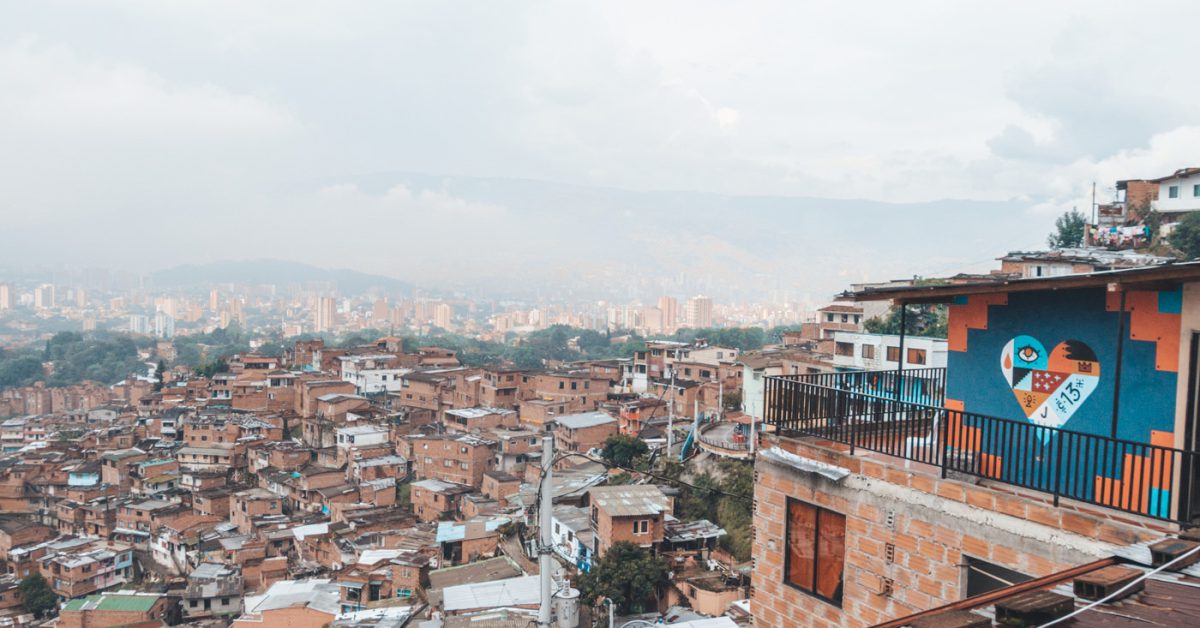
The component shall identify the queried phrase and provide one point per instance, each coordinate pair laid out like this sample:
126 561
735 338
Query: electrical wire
655 476
1114 594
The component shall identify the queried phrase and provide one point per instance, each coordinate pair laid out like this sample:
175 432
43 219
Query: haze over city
568 139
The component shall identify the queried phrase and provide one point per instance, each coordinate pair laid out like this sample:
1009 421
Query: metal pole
671 415
546 507
1120 353
900 358
612 619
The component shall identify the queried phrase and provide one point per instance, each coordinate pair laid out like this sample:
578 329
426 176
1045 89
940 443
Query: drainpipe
900 358
1120 353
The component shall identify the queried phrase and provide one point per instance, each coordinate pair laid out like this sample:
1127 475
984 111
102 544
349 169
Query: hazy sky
151 133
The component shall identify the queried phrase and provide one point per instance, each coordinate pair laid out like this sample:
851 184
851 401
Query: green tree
622 450
699 500
921 320
36 595
1186 236
734 507
1068 230
160 375
626 574
732 400
19 371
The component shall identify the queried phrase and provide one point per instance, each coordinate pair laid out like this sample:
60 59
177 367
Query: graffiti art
1050 385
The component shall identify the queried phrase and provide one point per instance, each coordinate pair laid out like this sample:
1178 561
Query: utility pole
1095 208
671 415
546 541
720 398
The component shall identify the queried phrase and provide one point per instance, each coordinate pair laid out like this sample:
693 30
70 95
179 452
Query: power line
608 465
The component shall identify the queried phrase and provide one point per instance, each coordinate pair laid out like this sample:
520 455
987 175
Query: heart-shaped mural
1050 386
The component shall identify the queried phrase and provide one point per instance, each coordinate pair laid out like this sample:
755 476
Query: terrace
1102 415
903 414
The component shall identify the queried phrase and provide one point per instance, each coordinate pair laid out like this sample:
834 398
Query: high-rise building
326 318
669 306
442 315
80 297
164 325
43 297
699 312
139 324
6 301
380 310
214 300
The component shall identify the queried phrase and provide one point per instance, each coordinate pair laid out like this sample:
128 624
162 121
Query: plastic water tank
566 608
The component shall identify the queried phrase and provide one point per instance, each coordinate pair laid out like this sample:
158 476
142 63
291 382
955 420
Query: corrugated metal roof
587 419
520 591
630 500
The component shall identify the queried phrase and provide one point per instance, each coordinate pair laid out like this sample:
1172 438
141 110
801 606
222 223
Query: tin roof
629 500
139 602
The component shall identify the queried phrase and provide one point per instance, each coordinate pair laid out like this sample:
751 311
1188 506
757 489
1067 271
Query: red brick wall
931 538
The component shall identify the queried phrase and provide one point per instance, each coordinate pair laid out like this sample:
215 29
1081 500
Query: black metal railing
904 415
925 385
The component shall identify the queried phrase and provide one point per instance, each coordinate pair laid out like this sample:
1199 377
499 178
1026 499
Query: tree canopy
100 357
1068 230
36 595
623 450
1186 236
626 574
927 320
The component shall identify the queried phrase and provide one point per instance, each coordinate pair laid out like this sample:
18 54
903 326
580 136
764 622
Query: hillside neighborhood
1011 446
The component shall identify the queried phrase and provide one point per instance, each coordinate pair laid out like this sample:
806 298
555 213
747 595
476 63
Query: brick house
499 387
468 541
538 412
461 458
15 532
481 418
77 567
212 590
248 505
927 486
499 486
631 513
433 500
308 391
514 446
115 609
292 603
580 433
116 465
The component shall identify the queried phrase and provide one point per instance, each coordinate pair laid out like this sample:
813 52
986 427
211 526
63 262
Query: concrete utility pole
546 541
671 415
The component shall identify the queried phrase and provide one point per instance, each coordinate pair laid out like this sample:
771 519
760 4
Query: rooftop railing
904 414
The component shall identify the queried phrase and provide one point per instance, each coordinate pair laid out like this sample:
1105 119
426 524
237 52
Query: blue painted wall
1147 400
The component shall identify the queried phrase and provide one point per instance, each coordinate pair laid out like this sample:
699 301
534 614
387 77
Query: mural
1050 386
1057 354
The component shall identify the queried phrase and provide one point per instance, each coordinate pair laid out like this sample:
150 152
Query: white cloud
51 89
727 117
1069 186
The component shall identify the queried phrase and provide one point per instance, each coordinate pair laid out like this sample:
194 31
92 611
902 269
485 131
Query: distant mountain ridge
275 271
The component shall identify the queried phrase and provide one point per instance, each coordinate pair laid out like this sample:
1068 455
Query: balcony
725 439
903 414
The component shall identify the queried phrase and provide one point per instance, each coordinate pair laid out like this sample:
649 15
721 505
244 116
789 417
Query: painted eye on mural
1028 353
